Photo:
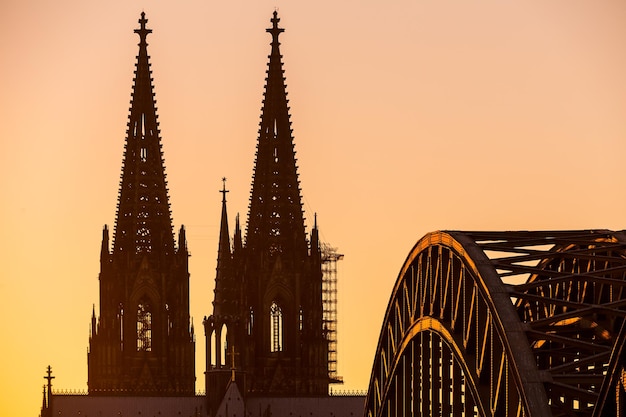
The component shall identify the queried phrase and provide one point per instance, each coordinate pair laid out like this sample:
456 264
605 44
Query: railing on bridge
83 391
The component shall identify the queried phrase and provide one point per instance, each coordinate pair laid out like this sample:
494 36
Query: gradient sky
408 116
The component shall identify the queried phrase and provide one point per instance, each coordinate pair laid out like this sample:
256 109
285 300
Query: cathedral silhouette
268 342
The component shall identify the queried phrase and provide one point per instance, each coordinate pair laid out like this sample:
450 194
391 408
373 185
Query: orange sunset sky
409 116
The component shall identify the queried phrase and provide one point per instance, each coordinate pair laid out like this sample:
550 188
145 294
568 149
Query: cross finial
275 30
143 31
232 355
223 190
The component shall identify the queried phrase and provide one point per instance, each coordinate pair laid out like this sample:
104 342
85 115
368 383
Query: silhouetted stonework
142 343
268 291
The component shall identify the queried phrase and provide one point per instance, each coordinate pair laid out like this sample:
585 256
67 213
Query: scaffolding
329 304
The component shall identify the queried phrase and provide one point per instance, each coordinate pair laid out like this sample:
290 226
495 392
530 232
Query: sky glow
408 117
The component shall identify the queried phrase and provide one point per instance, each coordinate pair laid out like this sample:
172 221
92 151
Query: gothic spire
44 405
315 239
182 241
104 249
142 343
143 222
269 297
225 292
237 245
49 378
275 219
93 330
223 251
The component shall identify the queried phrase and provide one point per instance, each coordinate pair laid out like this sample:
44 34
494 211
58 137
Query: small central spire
275 30
143 31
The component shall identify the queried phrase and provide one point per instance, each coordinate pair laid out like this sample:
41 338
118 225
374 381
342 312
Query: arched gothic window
213 352
224 346
250 321
144 327
276 328
169 319
120 318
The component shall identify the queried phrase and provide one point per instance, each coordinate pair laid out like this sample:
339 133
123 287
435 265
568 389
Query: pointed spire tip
275 30
143 31
223 190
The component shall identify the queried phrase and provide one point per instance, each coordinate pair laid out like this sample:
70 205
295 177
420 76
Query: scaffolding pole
330 256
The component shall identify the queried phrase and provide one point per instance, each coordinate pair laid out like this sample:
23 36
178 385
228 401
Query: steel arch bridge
505 324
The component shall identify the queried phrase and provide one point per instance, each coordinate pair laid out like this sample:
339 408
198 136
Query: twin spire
143 340
147 279
143 222
275 217
268 292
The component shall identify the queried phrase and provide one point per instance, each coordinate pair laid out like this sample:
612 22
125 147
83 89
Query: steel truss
505 324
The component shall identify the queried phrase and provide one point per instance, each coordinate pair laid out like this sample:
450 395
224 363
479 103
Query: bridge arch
504 324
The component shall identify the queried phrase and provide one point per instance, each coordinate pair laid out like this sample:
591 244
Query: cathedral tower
268 294
142 342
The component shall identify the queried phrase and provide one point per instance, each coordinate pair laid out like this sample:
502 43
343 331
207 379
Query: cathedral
267 340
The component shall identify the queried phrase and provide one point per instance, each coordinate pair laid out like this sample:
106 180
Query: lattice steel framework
505 324
330 257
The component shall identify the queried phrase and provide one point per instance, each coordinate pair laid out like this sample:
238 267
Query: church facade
142 342
267 342
268 293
